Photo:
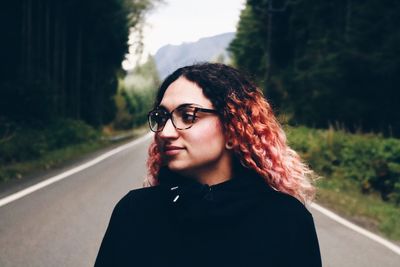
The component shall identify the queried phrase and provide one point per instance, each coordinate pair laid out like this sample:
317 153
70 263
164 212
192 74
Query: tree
325 61
61 57
138 90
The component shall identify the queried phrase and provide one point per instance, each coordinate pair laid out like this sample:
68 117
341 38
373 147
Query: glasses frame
170 115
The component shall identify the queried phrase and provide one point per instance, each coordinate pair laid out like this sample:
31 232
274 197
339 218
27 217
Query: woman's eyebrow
162 107
187 104
180 106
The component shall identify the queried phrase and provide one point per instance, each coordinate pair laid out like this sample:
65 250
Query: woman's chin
177 166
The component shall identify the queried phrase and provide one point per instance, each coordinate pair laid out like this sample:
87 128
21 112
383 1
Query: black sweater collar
241 182
195 203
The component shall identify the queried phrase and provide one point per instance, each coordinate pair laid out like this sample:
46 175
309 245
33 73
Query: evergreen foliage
136 95
60 58
325 62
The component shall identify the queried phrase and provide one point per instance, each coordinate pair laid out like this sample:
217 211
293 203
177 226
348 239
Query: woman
226 190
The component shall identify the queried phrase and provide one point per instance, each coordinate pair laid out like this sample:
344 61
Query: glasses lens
157 120
184 117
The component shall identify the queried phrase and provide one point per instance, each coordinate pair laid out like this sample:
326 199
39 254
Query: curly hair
259 142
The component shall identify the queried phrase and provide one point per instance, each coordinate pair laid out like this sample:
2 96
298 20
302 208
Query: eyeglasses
183 117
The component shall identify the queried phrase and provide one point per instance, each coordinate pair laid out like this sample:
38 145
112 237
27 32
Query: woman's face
199 149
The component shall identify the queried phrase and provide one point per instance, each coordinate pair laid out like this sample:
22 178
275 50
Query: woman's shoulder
141 197
285 204
144 192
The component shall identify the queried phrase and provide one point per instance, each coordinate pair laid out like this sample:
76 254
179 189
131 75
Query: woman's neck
216 173
213 177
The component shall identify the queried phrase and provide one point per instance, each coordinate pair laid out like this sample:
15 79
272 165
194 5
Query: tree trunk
56 63
78 78
29 43
47 44
63 40
348 20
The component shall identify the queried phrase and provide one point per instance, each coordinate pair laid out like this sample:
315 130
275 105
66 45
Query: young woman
225 188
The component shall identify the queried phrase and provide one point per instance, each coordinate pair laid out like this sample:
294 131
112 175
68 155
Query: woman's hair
259 142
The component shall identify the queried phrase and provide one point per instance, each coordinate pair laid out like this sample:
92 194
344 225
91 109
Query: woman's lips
172 150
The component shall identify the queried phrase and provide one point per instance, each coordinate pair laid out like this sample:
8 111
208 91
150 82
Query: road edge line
357 228
65 174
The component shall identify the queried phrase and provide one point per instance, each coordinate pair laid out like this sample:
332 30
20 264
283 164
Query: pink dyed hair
259 142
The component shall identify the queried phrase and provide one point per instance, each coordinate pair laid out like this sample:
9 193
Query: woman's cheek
208 134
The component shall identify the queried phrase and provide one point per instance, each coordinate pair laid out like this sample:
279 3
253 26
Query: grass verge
361 175
55 158
367 211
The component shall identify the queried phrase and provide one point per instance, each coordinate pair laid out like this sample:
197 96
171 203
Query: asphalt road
63 224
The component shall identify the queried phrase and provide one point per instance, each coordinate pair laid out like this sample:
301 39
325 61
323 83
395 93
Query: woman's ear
229 145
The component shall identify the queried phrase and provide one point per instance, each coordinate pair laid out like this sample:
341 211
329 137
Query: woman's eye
188 117
162 119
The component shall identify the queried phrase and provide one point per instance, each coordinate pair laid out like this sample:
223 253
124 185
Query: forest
325 63
61 89
320 63
61 59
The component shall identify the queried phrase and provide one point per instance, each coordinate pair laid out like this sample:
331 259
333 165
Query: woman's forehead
183 91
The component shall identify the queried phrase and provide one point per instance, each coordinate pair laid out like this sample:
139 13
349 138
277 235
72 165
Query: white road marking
65 174
356 228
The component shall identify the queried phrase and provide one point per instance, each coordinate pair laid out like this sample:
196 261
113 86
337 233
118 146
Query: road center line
65 174
356 228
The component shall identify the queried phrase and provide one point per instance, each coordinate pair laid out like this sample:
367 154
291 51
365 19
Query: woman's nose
168 131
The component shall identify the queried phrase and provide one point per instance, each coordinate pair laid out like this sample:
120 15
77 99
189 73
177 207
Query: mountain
170 57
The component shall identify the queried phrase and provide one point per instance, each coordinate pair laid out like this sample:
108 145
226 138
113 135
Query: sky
178 21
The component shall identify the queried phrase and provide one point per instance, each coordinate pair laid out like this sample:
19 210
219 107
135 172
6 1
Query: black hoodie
182 223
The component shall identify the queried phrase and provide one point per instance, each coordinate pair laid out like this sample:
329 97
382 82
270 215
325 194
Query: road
63 223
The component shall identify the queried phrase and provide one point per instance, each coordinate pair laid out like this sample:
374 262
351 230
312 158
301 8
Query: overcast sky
178 21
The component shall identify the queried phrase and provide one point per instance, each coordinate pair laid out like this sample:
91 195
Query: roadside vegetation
37 147
42 145
360 175
61 81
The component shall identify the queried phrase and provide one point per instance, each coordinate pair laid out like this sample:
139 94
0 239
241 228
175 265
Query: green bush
136 95
370 160
67 132
27 142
